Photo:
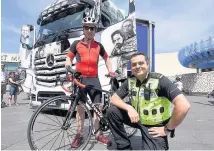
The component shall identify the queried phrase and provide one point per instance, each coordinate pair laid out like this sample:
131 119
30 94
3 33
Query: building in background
198 55
11 62
169 65
194 58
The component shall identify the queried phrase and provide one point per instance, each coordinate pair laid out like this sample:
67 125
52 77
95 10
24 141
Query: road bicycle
49 120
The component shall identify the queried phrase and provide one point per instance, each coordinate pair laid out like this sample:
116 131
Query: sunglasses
87 28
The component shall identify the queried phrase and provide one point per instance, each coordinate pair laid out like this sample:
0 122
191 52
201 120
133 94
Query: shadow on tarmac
212 103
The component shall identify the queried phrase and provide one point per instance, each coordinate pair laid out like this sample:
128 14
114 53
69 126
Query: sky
177 22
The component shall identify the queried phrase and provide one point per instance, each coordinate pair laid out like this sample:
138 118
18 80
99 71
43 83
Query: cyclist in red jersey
87 52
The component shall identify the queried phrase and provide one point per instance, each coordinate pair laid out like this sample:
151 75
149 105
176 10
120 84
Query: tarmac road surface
195 133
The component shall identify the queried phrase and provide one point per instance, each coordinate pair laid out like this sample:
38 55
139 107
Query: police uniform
152 100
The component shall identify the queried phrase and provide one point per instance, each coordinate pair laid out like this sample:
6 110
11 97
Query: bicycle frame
74 102
76 98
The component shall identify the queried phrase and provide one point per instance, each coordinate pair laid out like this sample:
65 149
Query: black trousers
116 119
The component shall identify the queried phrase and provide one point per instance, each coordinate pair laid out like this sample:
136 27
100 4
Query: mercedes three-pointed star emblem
50 60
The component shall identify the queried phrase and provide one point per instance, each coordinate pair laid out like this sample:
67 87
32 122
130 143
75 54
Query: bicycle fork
67 123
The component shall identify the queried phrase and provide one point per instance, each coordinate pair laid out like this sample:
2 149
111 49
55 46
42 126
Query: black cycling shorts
94 95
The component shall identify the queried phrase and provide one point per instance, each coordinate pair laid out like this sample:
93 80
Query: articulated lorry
43 53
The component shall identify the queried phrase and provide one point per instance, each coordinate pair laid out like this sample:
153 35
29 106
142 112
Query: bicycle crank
104 126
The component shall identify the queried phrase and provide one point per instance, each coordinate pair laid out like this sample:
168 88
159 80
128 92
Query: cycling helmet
89 20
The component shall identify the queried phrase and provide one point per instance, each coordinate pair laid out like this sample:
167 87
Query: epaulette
155 75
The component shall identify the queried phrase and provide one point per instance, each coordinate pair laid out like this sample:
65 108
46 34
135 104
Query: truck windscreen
60 22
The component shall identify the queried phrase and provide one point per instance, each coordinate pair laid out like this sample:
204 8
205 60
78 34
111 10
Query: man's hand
111 74
19 82
68 62
67 67
133 115
158 131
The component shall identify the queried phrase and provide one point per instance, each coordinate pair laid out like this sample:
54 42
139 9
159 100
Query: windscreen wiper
49 35
64 34
39 42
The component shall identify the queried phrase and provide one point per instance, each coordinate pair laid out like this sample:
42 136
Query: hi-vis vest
155 110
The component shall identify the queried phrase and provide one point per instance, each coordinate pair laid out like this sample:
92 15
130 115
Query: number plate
54 104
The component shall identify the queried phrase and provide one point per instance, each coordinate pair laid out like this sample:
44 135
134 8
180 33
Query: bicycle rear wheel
45 130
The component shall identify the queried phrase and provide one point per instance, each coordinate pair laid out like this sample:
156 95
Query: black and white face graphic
122 44
128 28
118 40
122 39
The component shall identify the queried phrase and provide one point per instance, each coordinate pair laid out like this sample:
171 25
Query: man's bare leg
99 135
80 117
96 121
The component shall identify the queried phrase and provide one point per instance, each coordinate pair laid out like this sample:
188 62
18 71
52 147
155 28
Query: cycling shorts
94 95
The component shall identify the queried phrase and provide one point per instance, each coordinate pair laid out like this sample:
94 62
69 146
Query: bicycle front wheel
46 130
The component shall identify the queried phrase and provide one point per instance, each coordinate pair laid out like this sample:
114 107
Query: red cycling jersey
87 58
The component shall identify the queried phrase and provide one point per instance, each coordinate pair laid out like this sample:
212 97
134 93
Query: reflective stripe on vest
153 111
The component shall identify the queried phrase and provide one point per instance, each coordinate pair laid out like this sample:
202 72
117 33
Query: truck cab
43 54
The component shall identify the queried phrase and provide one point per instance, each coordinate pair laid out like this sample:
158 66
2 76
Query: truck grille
44 96
47 75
